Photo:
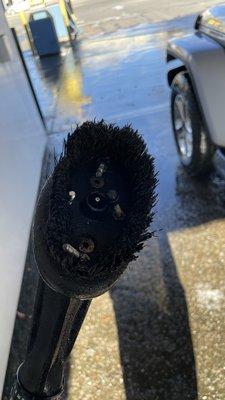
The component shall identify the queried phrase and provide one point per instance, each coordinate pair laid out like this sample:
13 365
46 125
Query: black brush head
94 212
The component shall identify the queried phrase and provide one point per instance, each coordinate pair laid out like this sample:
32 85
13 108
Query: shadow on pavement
153 328
157 355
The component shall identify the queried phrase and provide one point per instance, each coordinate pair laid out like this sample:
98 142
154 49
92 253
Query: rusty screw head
86 245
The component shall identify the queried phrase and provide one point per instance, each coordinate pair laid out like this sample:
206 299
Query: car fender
204 60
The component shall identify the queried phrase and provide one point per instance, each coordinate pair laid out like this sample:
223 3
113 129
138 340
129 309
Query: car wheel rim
183 127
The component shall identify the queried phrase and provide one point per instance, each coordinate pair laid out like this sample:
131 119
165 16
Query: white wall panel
22 144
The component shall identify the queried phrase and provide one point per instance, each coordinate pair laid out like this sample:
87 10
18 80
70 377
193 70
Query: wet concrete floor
159 333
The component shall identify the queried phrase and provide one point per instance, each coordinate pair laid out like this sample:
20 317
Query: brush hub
94 228
93 213
97 202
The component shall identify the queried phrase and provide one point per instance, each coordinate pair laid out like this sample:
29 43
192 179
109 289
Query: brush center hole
97 201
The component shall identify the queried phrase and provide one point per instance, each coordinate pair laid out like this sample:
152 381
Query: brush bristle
125 149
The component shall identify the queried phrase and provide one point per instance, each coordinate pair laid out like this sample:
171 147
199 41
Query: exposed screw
72 195
100 171
71 250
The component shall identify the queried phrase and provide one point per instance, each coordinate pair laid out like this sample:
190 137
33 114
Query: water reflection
71 98
59 86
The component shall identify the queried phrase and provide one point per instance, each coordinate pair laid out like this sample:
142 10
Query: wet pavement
103 17
159 333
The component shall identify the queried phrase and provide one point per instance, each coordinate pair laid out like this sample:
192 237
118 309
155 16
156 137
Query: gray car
196 76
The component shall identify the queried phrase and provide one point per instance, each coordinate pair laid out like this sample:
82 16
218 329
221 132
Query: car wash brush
91 220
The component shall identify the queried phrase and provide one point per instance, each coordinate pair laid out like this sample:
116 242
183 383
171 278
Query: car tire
194 146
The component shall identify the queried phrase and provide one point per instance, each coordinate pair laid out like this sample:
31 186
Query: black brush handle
56 323
56 373
92 217
48 318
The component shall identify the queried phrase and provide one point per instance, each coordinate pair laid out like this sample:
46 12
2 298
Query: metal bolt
100 171
71 250
72 195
